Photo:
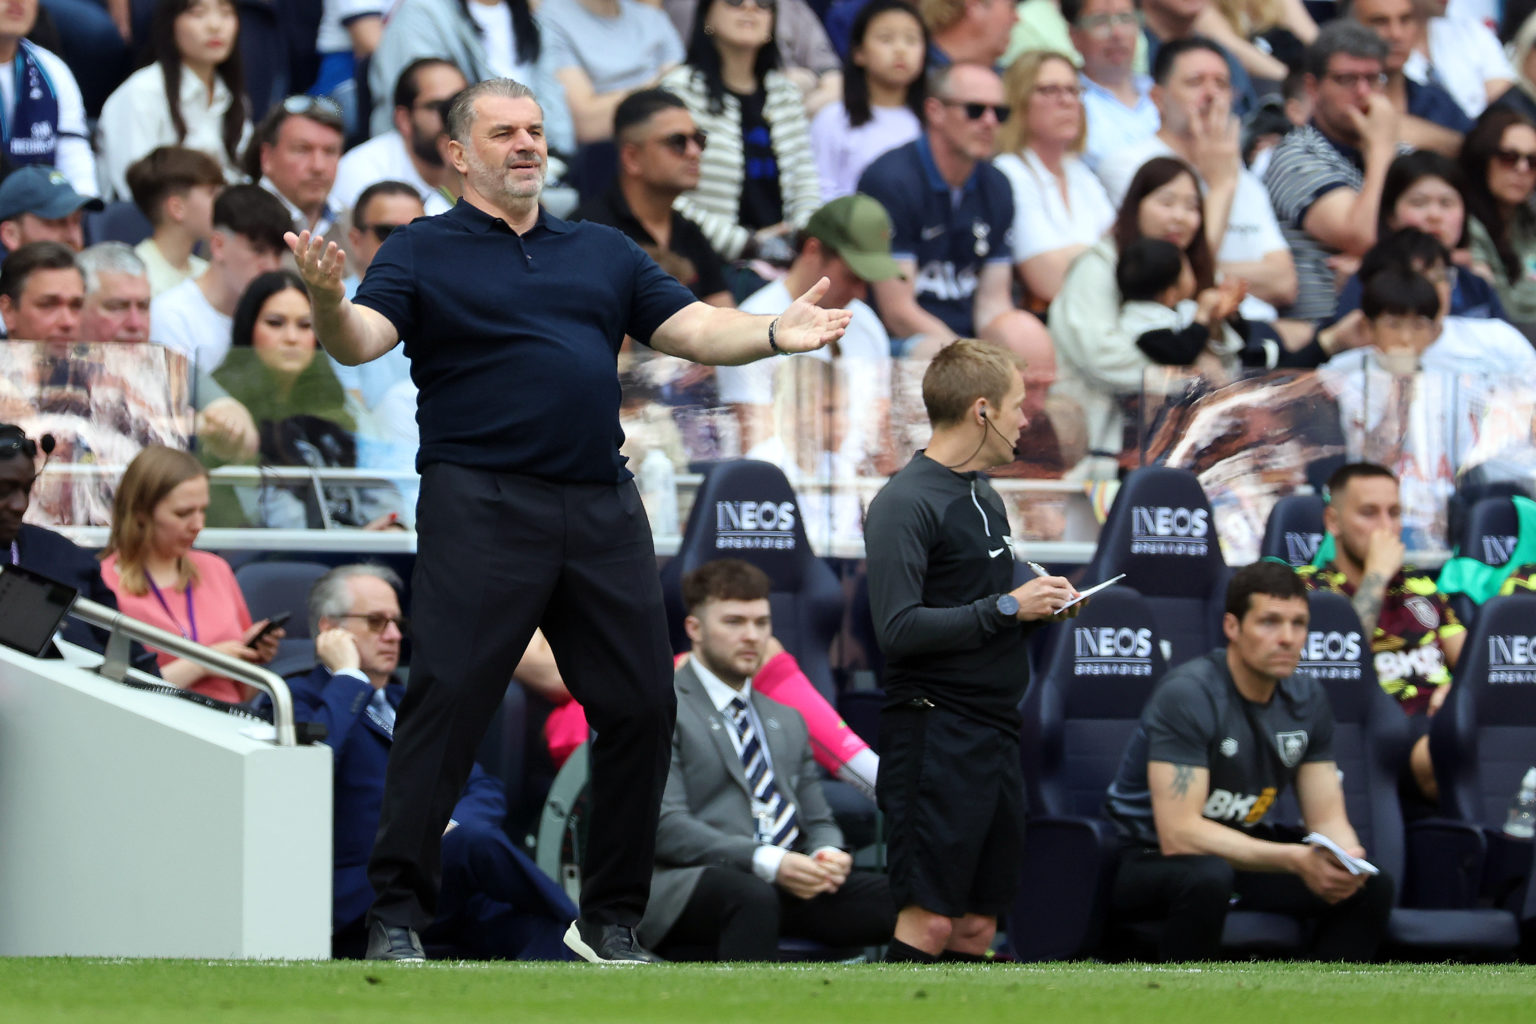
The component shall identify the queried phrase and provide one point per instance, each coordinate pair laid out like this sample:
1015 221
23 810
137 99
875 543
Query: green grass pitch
35 991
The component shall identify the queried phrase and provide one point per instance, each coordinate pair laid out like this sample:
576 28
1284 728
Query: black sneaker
607 944
401 945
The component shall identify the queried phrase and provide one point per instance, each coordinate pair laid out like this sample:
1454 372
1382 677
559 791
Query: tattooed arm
1179 795
1383 558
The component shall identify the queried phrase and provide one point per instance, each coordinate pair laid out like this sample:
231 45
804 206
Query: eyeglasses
677 142
762 5
1057 92
378 620
380 231
1516 158
1104 24
1352 80
976 111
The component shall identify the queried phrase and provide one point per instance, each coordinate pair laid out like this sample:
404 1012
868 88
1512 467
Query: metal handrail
123 628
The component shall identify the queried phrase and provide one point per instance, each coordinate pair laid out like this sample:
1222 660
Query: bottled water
658 490
1522 809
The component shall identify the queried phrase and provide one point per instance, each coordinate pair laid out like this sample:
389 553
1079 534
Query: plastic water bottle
1522 809
658 489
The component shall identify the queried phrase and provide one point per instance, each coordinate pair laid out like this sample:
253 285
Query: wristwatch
1007 605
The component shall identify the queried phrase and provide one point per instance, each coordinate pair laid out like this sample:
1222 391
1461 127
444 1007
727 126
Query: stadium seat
1489 534
1433 863
271 588
120 221
1160 532
1484 738
1294 529
747 509
1077 719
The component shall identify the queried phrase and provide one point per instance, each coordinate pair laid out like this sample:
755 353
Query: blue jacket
361 749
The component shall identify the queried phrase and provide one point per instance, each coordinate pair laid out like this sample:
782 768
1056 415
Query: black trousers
1192 893
741 917
497 555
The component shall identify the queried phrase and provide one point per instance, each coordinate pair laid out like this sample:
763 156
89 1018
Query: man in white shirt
196 316
382 207
847 241
293 155
409 152
1116 100
1193 94
1461 55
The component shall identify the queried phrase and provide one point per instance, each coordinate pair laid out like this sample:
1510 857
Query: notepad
1355 865
1085 594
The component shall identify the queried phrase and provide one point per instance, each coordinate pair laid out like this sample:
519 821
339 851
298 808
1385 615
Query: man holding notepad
952 626
1220 739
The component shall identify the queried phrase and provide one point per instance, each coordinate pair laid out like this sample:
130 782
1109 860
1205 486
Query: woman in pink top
157 577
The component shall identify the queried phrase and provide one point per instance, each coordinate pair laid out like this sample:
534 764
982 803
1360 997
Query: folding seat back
746 509
1294 529
1161 533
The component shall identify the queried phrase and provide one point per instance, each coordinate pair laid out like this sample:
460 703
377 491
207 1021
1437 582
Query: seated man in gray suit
746 848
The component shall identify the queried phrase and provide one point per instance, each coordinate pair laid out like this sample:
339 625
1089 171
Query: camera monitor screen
31 608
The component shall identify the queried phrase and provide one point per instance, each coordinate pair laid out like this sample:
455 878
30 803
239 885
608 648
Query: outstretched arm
728 337
352 334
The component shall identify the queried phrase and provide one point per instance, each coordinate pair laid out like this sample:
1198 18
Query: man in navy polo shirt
512 320
951 220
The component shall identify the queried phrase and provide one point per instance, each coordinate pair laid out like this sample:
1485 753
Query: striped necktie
776 820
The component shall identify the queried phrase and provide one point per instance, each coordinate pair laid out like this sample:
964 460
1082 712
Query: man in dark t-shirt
1219 741
512 320
659 150
952 626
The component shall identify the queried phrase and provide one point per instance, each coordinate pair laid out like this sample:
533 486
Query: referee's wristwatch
1007 606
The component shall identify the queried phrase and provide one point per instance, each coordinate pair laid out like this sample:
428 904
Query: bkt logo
1332 655
1107 651
754 524
1423 662
1160 530
1247 808
1512 659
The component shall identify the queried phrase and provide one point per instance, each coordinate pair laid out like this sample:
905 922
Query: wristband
773 344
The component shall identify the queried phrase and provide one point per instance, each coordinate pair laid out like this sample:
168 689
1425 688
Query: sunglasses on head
376 621
677 142
976 111
310 104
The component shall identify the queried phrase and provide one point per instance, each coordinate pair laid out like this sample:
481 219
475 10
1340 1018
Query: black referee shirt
513 339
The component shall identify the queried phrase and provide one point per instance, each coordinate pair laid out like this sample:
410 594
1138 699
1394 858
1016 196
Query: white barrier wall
140 825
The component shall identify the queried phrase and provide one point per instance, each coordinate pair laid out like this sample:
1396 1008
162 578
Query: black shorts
953 797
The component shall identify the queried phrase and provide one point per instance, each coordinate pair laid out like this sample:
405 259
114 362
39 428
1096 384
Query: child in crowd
175 188
883 90
1174 326
1400 310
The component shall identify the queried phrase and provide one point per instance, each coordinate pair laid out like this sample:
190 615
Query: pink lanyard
191 615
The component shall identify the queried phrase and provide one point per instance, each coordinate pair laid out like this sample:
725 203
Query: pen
1038 569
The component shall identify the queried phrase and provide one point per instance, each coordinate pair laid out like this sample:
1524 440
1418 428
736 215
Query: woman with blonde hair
158 578
1060 208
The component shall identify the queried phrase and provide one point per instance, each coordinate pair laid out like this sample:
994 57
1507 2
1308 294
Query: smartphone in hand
276 622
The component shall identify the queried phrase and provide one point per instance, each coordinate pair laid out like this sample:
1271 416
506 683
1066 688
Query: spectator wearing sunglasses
383 207
191 94
660 151
294 155
409 151
496 903
758 180
955 255
1498 163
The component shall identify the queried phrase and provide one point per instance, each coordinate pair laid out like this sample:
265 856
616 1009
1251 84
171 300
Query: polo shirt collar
476 219
936 182
300 222
1344 150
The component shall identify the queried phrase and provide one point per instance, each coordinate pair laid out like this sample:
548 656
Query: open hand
322 265
805 326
